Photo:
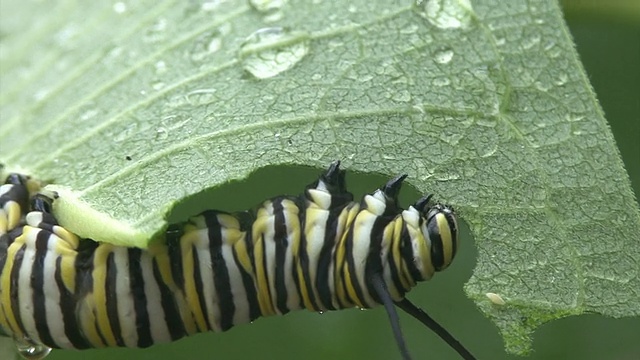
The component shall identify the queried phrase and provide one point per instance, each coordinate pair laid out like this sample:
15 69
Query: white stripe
52 303
124 297
315 234
238 291
206 274
293 299
159 329
25 293
362 227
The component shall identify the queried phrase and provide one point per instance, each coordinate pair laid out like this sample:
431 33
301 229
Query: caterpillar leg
14 198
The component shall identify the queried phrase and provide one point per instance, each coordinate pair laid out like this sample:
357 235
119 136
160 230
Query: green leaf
127 109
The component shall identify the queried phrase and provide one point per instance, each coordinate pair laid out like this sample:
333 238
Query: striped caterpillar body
318 251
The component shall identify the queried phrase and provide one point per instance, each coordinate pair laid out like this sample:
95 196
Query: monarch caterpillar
318 251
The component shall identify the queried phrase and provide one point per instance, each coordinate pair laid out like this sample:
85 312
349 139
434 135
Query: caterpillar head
433 234
440 229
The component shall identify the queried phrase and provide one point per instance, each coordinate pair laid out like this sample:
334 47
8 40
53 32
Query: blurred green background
607 35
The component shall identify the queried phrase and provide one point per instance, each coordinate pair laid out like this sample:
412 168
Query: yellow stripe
86 315
259 226
99 275
5 285
3 222
445 236
188 267
388 239
13 214
397 258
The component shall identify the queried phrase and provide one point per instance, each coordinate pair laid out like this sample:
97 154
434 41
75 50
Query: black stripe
200 286
37 286
173 235
437 254
14 277
169 306
247 280
19 194
374 262
324 259
352 267
280 240
68 308
394 268
84 264
136 282
5 241
406 252
221 280
112 298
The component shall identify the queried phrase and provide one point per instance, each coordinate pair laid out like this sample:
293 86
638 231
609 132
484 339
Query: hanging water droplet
446 14
320 312
270 51
443 56
31 350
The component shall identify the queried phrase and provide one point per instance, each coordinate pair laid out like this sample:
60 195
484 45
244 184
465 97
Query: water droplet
267 5
270 51
157 85
441 81
161 67
156 32
443 56
411 29
562 79
272 9
320 312
401 96
200 96
531 42
206 45
446 14
30 350
119 7
210 5
161 133
542 86
88 114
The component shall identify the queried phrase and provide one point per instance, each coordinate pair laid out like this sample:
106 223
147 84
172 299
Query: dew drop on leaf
270 51
443 56
267 5
445 14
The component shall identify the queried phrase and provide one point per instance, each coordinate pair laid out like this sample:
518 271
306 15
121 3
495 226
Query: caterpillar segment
318 251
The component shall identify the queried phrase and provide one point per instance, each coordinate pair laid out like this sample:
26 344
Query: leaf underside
128 109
